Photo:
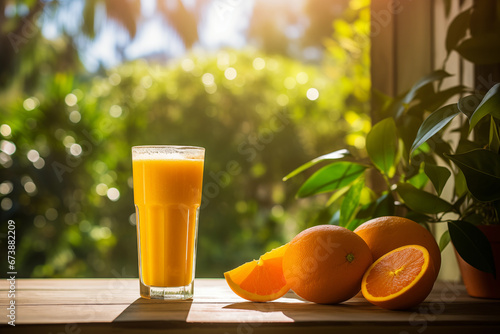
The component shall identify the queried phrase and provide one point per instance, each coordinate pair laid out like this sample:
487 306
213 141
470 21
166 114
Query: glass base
167 293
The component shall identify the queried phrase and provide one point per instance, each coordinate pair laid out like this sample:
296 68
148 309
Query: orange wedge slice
260 280
400 279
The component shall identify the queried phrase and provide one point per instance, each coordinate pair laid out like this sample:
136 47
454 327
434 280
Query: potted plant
408 161
477 163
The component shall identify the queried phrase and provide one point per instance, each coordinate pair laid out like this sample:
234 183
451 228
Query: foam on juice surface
157 153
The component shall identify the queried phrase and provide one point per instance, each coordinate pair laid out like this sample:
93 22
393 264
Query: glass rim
167 152
177 147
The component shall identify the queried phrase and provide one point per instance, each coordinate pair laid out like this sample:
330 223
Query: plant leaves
468 104
472 245
434 101
482 49
422 201
384 206
354 224
336 195
382 146
460 184
334 220
457 29
410 96
444 240
489 105
331 177
419 180
432 124
350 203
481 169
340 154
438 175
494 140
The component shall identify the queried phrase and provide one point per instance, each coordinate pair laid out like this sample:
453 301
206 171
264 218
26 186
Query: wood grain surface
77 306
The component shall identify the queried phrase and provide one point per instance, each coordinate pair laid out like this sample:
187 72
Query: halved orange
400 279
260 280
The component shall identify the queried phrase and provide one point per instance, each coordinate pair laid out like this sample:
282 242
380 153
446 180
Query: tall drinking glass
167 197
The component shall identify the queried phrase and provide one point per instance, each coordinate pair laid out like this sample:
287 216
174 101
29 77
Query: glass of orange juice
167 197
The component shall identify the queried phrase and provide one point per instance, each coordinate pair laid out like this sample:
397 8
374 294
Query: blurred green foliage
66 151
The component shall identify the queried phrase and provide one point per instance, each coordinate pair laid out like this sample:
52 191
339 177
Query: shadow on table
149 311
301 310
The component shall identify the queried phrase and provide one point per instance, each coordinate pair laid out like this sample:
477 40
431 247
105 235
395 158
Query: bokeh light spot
115 111
30 187
51 214
75 150
6 204
302 78
208 79
7 147
39 164
6 187
113 194
29 104
312 94
5 130
187 65
75 116
230 73
33 155
259 63
68 141
101 189
71 99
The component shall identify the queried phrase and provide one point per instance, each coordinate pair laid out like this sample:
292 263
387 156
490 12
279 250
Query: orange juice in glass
167 197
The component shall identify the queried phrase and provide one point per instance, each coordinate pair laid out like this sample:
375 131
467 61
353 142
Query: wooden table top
76 306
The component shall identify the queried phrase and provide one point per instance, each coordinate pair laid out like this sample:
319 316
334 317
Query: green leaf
331 177
482 49
384 206
465 145
354 224
494 140
481 169
489 105
457 29
460 184
382 146
422 201
472 245
419 180
336 195
88 26
468 104
334 220
434 101
433 124
340 154
350 203
444 240
410 96
438 175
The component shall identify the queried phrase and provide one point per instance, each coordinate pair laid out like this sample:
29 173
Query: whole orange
325 264
384 234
